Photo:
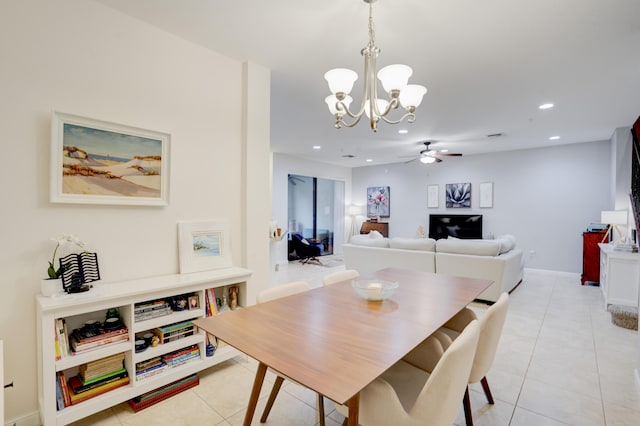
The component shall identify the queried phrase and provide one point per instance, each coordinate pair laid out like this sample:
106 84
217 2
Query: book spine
84 388
65 390
176 326
179 352
57 344
59 397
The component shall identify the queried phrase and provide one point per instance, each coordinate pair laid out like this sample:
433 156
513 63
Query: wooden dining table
334 342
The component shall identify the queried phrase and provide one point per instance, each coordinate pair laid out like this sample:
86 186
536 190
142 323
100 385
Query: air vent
495 135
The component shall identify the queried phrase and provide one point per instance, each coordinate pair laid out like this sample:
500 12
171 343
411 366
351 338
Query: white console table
619 276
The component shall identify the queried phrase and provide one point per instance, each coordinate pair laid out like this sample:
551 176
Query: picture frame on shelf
99 162
194 302
486 195
432 196
203 246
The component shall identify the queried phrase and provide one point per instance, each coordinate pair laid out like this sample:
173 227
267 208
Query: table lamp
613 218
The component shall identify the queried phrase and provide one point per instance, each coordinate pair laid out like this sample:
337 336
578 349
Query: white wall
545 197
283 165
80 57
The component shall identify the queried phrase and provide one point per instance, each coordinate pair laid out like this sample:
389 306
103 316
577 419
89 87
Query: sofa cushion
507 243
375 235
474 247
366 240
425 244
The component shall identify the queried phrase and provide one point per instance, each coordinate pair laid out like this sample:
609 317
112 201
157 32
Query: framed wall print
203 246
97 162
378 203
432 196
486 194
458 195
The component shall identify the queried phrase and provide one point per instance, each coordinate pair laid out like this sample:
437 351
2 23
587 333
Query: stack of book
182 356
171 332
149 368
630 248
80 342
97 377
153 309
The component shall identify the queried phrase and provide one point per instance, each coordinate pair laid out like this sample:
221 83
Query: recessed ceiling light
317 147
403 131
368 160
554 138
546 106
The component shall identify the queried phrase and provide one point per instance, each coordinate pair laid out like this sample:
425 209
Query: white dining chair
267 295
491 325
336 277
427 394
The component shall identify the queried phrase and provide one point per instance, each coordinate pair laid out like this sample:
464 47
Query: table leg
255 393
354 410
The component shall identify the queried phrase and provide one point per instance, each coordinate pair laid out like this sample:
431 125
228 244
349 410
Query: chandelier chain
372 33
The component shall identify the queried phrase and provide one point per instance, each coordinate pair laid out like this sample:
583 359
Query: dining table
335 342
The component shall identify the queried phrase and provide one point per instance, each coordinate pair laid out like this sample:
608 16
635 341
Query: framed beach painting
97 162
203 246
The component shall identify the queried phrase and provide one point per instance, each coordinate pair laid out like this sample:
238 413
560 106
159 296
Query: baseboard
31 419
548 271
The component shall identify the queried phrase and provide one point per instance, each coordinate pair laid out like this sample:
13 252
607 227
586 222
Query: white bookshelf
124 295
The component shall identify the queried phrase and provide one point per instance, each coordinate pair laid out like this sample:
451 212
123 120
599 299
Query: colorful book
78 398
103 376
63 387
75 383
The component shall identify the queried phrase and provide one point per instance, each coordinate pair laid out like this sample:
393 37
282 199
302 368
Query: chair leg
487 391
321 409
466 403
272 398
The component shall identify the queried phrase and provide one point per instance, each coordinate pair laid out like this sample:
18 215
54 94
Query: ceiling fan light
394 77
411 95
427 159
332 100
340 80
381 104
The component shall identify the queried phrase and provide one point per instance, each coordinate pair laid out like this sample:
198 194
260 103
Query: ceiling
487 64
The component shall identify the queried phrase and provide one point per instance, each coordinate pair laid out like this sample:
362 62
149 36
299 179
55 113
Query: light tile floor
560 362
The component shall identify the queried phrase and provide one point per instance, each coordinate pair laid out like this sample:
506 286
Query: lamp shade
381 104
340 80
411 96
331 101
394 77
354 210
427 159
614 217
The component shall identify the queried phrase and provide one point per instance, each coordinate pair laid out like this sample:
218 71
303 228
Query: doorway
315 210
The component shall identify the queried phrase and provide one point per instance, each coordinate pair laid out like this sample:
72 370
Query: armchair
305 249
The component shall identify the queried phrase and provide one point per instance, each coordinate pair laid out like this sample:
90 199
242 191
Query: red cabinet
591 256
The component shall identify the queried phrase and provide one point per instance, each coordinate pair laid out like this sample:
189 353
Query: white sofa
498 260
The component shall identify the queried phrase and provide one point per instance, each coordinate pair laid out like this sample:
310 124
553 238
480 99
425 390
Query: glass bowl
374 290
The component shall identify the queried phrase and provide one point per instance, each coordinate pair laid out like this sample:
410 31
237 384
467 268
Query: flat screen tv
455 225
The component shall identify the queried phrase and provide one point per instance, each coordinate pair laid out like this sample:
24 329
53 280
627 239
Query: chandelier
394 79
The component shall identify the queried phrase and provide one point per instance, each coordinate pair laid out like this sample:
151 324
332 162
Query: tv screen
455 225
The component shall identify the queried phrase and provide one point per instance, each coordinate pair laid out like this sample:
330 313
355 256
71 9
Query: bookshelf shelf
76 309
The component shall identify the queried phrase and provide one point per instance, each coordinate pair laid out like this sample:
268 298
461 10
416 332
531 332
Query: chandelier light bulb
381 104
394 78
340 80
411 95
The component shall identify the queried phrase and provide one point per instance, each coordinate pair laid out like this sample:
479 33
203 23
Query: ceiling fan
430 155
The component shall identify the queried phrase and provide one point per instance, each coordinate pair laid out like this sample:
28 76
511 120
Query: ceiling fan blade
407 162
438 160
455 154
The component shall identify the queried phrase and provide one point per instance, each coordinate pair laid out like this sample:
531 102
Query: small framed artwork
378 203
486 195
203 246
97 162
458 195
194 302
432 196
